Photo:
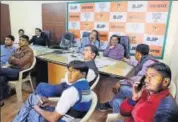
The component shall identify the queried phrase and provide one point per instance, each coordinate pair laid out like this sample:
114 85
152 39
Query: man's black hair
21 30
143 49
115 36
25 37
11 37
94 49
79 65
38 29
163 69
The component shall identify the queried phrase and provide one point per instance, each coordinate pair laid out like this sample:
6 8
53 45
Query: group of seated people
144 97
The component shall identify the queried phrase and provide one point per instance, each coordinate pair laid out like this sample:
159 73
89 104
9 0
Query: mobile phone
142 83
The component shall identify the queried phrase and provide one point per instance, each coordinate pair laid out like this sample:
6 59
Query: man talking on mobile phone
152 103
123 88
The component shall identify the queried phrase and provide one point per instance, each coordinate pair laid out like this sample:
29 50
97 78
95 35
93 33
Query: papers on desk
71 57
40 50
102 62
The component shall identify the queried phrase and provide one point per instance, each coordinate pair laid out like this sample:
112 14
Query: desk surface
119 69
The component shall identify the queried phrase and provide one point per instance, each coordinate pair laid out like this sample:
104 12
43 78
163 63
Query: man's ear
93 55
84 74
166 82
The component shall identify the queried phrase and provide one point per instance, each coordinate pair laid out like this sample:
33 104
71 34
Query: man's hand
37 108
125 59
136 94
116 88
45 102
111 47
12 57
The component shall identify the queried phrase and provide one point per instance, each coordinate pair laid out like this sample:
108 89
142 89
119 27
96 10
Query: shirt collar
81 79
156 96
8 47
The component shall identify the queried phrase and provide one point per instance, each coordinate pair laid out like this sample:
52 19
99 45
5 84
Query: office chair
47 33
85 34
66 42
124 40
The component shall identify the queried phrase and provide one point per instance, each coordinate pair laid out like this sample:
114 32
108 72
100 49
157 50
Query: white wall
171 50
26 15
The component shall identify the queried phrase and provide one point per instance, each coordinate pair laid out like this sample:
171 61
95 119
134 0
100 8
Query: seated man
20 60
39 38
123 88
153 103
74 102
114 49
89 54
7 49
93 39
21 32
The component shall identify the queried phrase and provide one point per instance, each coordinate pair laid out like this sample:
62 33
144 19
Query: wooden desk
57 67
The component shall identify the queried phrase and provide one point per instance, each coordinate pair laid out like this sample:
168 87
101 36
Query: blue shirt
86 41
6 53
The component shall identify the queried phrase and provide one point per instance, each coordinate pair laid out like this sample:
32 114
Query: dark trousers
5 75
10 72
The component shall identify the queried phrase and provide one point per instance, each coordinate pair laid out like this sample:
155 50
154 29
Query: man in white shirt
74 102
89 54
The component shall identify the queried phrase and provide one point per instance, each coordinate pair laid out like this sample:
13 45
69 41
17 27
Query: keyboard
58 52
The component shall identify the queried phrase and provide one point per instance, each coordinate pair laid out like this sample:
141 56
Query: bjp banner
143 21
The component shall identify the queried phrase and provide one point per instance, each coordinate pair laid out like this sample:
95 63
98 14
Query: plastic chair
172 89
18 83
115 116
91 110
95 82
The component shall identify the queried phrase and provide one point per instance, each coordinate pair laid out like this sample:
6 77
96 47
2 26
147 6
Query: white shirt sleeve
68 98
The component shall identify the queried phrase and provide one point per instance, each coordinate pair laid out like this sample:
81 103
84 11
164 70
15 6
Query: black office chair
66 41
47 33
124 40
85 34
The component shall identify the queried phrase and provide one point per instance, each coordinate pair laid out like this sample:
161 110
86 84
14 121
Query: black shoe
104 107
11 92
1 103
